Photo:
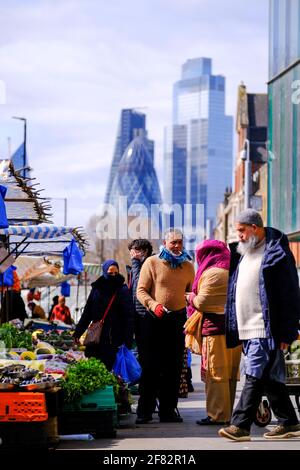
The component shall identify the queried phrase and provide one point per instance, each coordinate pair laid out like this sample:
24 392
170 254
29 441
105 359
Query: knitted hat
250 217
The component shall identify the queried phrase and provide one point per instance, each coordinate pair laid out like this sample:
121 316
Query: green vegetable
15 338
86 376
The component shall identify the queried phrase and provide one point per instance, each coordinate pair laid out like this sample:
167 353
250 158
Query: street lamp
245 156
25 143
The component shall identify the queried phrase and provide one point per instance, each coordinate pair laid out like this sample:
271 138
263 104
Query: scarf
174 260
209 254
106 265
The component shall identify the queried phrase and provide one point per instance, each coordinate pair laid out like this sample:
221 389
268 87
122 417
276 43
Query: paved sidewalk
181 436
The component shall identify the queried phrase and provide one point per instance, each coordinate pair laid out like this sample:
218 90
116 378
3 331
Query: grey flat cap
250 217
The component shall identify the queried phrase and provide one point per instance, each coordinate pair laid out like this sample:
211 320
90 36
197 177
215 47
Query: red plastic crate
23 406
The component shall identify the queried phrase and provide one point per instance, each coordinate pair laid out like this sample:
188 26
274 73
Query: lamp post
245 156
25 143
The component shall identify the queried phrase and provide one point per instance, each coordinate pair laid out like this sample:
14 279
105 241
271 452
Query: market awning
92 268
43 239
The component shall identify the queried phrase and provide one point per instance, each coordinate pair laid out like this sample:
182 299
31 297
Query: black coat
118 324
133 278
279 291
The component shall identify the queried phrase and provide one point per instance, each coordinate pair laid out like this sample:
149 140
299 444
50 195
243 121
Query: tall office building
284 117
198 145
135 177
131 121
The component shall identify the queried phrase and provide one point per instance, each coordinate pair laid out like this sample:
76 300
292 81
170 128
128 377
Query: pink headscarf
209 254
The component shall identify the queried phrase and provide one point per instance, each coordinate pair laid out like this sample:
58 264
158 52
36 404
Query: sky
70 66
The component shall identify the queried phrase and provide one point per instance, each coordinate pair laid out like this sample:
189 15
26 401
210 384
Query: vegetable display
86 376
13 337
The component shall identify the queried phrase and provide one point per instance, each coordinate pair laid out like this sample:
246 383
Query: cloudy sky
70 66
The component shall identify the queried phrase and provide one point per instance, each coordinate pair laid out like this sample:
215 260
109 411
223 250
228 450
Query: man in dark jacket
262 313
139 251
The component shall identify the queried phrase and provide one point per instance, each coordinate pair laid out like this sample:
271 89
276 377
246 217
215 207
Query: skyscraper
130 122
198 146
135 177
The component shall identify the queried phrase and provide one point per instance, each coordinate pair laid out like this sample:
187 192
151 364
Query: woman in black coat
118 324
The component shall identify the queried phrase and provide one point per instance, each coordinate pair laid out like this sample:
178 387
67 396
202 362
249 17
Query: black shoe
208 421
143 419
190 388
171 418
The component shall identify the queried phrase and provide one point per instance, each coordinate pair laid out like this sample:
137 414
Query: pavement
184 436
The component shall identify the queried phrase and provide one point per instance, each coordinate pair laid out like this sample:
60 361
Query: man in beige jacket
163 281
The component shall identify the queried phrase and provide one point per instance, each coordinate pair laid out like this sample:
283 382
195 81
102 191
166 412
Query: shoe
283 432
171 418
190 388
143 419
208 421
234 433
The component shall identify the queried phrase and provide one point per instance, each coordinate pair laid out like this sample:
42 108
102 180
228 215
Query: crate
17 436
22 406
101 423
292 368
100 399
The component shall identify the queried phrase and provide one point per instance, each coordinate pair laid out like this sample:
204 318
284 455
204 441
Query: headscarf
209 254
172 259
106 265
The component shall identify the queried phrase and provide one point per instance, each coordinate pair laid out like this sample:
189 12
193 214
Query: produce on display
12 337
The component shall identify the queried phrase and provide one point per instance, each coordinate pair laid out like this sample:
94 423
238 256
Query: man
36 311
262 312
61 312
163 281
139 249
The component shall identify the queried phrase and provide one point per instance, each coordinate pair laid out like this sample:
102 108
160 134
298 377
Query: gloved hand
159 311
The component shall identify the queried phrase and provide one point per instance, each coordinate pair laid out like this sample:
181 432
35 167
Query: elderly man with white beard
262 313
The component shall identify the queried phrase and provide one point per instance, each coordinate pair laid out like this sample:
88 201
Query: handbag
94 330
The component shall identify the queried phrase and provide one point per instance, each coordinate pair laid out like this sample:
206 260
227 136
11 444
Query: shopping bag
65 289
7 278
93 333
127 366
72 259
3 216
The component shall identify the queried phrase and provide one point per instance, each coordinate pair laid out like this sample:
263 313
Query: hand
138 254
189 297
76 340
159 311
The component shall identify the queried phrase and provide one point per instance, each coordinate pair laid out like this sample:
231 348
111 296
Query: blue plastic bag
72 259
126 365
3 216
7 278
65 289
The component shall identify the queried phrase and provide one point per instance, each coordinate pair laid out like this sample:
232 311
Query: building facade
199 142
251 127
284 117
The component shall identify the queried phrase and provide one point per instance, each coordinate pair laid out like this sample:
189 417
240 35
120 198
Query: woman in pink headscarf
219 365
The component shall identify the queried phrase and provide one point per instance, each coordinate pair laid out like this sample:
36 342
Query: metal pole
25 148
248 176
65 211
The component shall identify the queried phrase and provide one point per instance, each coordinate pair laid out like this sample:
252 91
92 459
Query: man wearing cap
262 313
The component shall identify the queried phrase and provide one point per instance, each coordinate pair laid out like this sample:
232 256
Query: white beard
245 247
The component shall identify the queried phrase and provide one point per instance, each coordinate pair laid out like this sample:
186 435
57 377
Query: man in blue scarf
163 282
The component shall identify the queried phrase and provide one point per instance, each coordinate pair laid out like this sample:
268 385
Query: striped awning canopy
92 268
43 239
37 232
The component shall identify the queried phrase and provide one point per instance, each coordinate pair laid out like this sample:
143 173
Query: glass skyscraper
135 177
284 116
198 145
131 121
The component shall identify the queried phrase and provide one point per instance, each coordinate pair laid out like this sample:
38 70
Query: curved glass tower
136 176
